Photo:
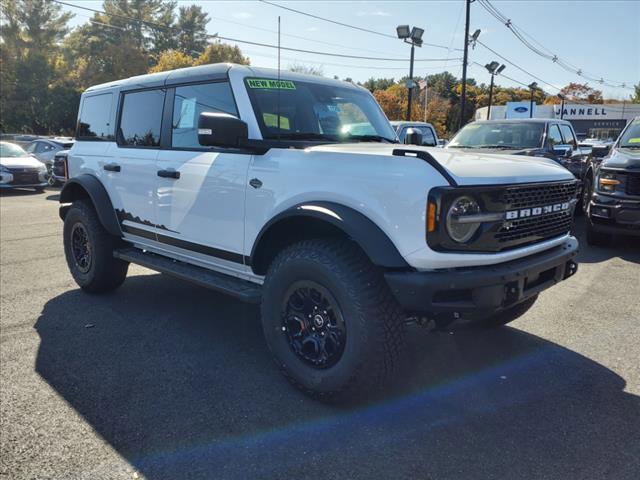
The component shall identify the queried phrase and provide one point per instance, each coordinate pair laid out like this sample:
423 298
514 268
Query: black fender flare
88 185
369 236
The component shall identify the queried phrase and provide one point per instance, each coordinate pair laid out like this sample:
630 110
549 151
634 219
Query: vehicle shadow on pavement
624 247
178 381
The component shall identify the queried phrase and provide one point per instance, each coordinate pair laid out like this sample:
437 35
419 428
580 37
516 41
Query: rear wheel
88 248
329 319
509 315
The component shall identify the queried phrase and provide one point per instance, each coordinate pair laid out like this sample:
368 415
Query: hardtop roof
217 71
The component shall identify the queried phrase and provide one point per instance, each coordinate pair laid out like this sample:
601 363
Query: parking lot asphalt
164 380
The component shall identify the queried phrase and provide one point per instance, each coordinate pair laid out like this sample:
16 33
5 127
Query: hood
469 168
624 158
21 162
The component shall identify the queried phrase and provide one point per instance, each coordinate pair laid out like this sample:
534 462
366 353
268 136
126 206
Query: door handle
111 167
169 173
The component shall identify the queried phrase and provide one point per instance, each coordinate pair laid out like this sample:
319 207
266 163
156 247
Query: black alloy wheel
81 247
313 324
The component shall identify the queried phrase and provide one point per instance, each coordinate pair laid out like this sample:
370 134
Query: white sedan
18 169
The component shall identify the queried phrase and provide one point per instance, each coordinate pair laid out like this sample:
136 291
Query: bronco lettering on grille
533 212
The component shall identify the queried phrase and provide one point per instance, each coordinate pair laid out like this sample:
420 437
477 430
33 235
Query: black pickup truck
612 188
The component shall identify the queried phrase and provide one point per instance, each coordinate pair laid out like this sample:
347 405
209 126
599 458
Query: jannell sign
584 112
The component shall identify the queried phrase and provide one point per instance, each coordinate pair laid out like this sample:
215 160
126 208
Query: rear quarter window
95 121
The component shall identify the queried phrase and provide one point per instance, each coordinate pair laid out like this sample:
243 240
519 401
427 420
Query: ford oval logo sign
521 109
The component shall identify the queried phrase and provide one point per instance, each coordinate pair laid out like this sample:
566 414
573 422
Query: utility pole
426 86
463 95
533 87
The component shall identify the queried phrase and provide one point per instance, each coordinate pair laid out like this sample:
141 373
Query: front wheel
329 319
88 248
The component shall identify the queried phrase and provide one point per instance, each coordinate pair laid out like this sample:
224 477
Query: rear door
201 193
130 171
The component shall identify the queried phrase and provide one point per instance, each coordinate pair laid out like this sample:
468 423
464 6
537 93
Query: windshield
631 136
10 150
499 135
314 111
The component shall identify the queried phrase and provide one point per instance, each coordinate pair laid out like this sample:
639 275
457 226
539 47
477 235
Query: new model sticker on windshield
634 140
270 83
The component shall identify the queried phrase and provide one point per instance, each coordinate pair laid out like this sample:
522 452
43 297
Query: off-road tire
509 315
373 319
596 238
105 273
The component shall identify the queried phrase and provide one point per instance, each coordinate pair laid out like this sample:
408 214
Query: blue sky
600 37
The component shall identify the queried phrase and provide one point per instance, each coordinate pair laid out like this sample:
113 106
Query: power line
248 42
355 27
532 44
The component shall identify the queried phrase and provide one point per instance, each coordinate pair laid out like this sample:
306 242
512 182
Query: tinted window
141 118
190 101
554 137
95 118
567 135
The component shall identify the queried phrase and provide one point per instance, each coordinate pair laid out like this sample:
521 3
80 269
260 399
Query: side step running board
246 291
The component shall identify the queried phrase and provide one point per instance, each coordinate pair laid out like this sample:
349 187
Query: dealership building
604 121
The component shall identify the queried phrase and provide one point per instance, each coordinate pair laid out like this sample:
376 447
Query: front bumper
615 215
473 293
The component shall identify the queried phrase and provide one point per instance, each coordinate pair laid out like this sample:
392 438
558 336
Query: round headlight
460 229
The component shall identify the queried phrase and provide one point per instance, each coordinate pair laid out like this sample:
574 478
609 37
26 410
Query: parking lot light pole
413 37
494 69
533 87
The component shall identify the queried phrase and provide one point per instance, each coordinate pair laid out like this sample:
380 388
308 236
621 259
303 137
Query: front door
200 194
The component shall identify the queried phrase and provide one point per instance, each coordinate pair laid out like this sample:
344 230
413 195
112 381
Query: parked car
45 151
612 188
546 138
428 134
18 169
244 180
59 169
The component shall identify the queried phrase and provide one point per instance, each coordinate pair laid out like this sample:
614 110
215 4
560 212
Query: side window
141 118
553 136
190 101
31 148
428 138
95 118
569 138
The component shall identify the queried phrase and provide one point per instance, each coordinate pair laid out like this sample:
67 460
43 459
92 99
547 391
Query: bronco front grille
538 195
533 228
542 227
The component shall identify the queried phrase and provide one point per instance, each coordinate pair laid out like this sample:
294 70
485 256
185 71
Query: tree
192 25
581 92
170 60
222 52
635 98
374 84
437 114
30 32
306 69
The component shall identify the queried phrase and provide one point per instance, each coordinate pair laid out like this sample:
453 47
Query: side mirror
563 151
221 130
413 137
600 151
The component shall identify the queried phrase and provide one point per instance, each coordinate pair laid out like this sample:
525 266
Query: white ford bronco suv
292 191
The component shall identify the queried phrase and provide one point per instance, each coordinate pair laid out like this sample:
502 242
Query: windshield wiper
372 138
502 147
629 146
